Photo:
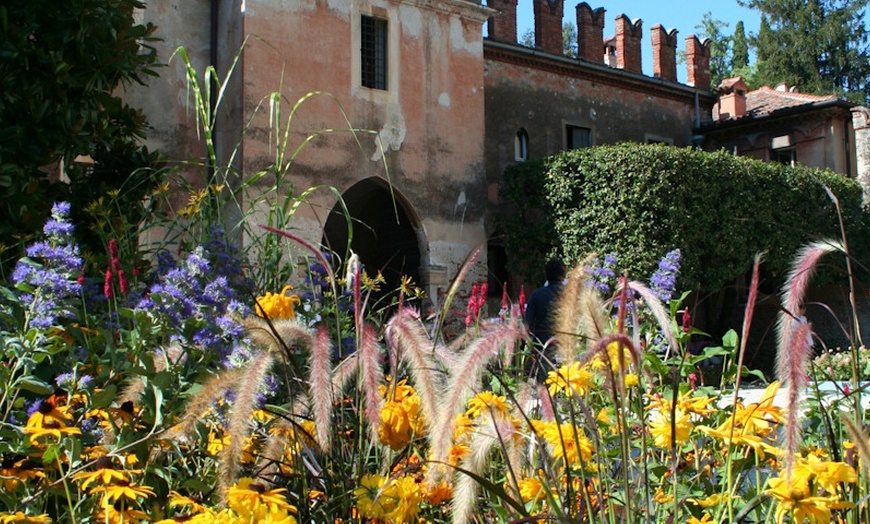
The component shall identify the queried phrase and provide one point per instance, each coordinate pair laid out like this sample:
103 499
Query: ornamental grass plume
794 340
579 314
466 375
405 335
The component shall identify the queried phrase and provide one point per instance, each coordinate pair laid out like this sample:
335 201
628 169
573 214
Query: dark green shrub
640 201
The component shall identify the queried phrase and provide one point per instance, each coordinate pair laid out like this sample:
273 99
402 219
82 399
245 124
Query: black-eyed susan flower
22 518
104 472
15 471
123 491
248 495
48 412
51 429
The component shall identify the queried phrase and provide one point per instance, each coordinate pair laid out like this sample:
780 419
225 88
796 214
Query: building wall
424 133
820 138
541 94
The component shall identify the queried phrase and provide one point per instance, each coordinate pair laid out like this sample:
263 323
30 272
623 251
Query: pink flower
504 297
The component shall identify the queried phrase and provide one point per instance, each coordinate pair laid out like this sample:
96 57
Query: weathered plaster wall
429 120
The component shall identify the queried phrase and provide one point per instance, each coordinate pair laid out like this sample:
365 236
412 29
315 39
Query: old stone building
447 109
784 125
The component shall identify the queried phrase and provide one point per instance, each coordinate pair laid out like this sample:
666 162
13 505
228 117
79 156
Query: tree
63 63
820 46
739 48
720 44
569 39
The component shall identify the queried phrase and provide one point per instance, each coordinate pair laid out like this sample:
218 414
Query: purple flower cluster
663 282
316 281
48 278
601 273
201 297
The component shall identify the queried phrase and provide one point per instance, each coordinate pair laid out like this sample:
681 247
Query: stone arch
386 237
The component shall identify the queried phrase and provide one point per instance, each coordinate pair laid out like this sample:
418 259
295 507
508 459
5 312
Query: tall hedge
640 201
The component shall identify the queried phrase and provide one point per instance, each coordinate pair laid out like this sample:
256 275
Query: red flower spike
687 321
107 283
504 297
122 281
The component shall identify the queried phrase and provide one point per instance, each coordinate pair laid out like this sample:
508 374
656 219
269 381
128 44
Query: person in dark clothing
539 318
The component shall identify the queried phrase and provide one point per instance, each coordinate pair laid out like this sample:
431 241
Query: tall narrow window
521 146
373 52
577 137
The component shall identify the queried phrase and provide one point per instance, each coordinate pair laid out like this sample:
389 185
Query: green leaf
104 398
35 385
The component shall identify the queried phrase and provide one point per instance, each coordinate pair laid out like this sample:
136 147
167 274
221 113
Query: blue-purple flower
663 282
47 279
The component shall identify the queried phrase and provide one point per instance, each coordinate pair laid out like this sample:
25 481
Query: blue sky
682 15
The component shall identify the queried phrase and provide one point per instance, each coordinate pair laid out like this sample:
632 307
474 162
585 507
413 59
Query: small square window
373 52
577 137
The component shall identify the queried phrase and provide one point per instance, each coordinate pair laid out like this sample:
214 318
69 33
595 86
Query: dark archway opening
384 236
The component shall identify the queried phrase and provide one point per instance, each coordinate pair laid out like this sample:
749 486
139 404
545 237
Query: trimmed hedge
640 201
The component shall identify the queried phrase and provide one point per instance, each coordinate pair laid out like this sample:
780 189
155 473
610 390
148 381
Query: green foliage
720 44
821 46
62 63
528 228
640 201
739 47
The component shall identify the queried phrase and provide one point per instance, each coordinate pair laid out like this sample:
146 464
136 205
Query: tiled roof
766 100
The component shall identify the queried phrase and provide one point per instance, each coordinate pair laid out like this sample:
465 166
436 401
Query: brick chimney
548 26
628 36
503 26
590 33
664 53
698 62
732 98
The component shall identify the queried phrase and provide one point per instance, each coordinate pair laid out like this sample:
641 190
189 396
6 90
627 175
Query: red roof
766 100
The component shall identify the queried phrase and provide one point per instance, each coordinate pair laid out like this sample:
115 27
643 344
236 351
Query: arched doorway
384 234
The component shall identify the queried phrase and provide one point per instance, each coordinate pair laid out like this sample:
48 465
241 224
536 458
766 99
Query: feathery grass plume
485 437
464 379
245 402
659 312
271 456
748 313
275 335
212 389
320 387
406 335
344 371
579 314
794 340
372 378
454 286
859 437
317 253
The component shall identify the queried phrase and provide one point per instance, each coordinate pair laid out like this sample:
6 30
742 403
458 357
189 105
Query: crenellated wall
625 45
